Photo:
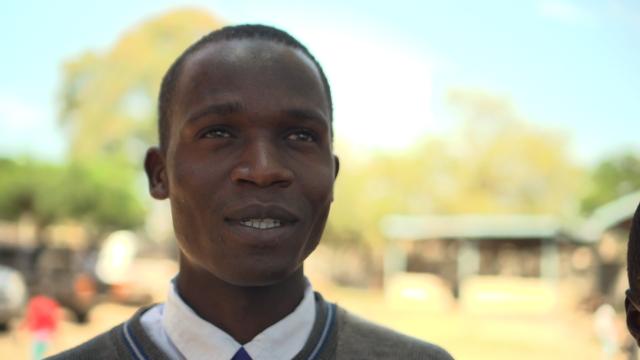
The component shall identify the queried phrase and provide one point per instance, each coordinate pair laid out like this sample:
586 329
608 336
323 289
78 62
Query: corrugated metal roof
470 226
608 216
413 227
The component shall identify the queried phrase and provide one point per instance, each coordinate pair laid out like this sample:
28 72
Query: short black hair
633 254
237 32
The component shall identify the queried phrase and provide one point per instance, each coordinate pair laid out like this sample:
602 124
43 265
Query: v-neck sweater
336 334
182 334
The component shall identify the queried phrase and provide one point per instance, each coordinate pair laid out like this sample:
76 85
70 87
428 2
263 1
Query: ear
336 170
155 167
633 319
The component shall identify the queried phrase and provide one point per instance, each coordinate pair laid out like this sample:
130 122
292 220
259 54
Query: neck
241 311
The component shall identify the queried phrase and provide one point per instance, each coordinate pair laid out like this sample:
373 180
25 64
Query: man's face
249 166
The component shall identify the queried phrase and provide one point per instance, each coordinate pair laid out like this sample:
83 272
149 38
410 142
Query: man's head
167 89
632 302
246 157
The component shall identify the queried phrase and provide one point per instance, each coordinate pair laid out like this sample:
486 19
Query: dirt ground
16 343
497 337
553 336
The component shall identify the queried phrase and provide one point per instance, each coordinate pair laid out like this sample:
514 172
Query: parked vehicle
61 273
67 276
13 295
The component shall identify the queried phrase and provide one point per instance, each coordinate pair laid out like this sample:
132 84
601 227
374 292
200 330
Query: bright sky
570 66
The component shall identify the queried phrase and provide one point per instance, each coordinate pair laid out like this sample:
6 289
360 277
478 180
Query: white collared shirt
178 331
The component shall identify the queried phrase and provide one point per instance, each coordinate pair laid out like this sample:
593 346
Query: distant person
604 321
246 160
41 320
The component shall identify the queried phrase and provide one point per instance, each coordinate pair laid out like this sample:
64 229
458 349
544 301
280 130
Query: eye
217 133
302 135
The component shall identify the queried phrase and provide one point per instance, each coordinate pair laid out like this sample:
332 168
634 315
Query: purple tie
241 355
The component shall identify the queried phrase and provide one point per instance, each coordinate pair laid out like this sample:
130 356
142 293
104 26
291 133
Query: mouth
261 226
262 223
261 217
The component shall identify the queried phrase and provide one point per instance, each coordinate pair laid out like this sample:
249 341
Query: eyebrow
221 109
228 108
306 114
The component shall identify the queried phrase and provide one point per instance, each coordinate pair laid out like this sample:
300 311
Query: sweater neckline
321 340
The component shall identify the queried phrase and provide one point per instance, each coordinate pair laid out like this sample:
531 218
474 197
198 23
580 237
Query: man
246 160
632 301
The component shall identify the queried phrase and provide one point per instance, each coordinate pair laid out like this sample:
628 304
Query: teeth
266 223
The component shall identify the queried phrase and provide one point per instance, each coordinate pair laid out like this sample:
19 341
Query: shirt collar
198 339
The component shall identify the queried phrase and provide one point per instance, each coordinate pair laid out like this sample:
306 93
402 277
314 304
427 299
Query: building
531 259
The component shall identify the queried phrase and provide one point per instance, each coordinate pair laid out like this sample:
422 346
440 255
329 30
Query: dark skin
633 317
249 171
632 303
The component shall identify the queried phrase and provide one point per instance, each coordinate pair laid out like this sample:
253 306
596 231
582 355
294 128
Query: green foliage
29 187
495 162
108 100
105 196
99 194
503 164
613 177
107 106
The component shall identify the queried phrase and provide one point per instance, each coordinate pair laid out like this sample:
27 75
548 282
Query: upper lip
260 211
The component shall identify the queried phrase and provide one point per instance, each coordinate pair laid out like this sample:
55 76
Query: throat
241 311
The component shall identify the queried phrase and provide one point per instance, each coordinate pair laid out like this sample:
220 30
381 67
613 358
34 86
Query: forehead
261 72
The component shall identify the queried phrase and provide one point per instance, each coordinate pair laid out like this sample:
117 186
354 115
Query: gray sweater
336 334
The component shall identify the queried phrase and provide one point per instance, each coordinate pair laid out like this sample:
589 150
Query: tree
494 162
501 163
613 177
108 100
29 188
100 194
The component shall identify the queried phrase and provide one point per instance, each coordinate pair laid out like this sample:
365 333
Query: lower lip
261 237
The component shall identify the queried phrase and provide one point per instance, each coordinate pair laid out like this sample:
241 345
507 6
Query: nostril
262 176
263 164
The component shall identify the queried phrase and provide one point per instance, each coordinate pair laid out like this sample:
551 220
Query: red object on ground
42 314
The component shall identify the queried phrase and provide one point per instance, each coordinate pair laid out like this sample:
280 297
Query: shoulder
359 338
103 346
125 341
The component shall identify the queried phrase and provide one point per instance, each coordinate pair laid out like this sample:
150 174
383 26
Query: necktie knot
241 354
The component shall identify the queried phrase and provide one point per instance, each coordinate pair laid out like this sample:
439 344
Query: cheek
320 190
185 221
195 179
318 183
192 197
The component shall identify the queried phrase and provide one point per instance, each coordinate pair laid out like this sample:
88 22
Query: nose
262 164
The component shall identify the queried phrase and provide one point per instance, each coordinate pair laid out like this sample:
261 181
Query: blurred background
490 167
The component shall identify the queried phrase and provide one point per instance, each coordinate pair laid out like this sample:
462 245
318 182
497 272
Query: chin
266 276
